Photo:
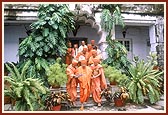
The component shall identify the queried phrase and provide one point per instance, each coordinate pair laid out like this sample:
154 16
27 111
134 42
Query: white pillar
152 37
103 44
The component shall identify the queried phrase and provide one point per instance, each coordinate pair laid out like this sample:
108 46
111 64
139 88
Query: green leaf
39 38
39 52
55 26
45 32
46 48
140 96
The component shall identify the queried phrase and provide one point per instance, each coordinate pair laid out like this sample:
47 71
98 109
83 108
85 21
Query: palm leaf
140 96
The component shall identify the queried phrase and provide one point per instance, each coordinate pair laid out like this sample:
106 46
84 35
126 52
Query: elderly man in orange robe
84 82
94 55
71 84
69 53
83 53
90 48
98 81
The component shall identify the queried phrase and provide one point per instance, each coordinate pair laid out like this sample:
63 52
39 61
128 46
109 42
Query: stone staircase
89 103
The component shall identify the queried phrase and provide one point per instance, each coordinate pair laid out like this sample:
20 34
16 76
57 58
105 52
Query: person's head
75 45
89 47
94 53
96 61
69 44
92 42
83 63
95 47
83 43
84 50
74 63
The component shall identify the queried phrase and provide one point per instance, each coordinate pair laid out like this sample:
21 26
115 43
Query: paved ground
129 107
160 107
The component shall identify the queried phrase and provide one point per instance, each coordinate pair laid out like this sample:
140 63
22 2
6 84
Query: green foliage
55 99
47 40
106 20
144 80
37 68
117 55
24 89
49 32
111 15
114 74
57 73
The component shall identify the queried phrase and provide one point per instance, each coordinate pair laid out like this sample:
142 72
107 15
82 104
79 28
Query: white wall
87 32
139 36
11 42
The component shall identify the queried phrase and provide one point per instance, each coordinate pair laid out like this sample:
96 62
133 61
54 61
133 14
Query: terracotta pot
56 108
55 86
113 83
13 102
156 68
119 102
7 100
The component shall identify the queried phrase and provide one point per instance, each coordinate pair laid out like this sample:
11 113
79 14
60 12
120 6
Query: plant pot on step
56 108
119 102
55 86
13 102
7 100
113 83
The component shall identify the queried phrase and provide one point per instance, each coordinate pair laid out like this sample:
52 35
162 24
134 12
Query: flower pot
156 68
113 83
56 108
119 102
7 100
55 86
13 102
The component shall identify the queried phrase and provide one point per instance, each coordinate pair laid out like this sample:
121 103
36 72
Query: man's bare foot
99 105
82 108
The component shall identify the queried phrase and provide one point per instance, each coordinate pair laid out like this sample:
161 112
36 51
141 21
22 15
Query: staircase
89 103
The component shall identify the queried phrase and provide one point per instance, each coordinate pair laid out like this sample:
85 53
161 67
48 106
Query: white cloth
81 58
81 48
76 51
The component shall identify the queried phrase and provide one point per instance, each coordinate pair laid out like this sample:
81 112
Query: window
126 43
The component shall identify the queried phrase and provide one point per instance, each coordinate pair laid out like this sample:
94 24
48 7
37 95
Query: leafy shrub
57 73
144 80
24 89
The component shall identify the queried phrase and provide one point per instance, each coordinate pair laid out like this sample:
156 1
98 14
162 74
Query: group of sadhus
84 68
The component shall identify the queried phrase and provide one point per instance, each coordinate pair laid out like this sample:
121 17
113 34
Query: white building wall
87 32
11 42
138 36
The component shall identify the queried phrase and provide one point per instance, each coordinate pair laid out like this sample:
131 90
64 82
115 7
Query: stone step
90 101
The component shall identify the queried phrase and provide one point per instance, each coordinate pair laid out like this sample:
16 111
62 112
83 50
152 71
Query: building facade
142 33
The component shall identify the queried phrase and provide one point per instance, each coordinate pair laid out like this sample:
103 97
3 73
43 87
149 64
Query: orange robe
84 82
71 84
68 56
91 59
85 55
98 83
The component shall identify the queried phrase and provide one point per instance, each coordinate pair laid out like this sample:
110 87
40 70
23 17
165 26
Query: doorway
77 40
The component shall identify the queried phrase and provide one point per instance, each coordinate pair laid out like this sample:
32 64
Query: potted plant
54 100
25 90
144 81
120 97
57 74
115 76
